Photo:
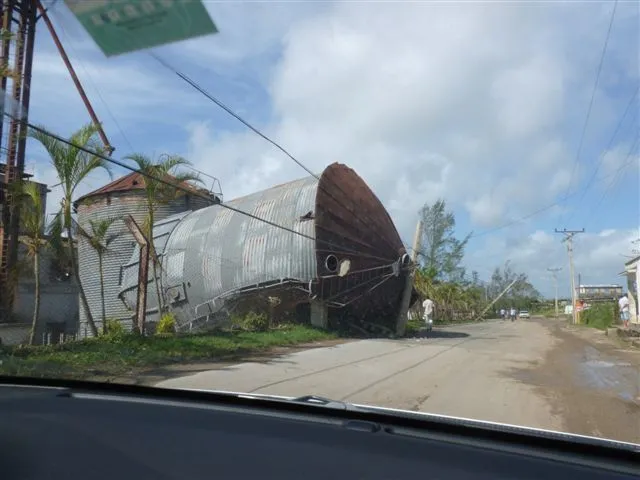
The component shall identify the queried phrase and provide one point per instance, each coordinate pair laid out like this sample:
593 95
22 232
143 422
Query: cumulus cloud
481 104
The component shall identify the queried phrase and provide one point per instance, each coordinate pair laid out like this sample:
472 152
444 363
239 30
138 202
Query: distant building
596 292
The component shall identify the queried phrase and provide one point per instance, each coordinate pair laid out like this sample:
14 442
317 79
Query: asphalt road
529 372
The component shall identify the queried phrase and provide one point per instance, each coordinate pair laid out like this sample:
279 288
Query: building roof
633 261
132 181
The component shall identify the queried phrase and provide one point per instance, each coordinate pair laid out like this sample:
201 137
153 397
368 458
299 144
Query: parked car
524 314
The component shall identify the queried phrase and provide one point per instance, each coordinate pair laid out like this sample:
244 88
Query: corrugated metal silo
122 197
333 245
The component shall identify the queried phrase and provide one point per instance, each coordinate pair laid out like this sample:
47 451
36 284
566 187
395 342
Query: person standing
513 313
428 307
623 304
503 314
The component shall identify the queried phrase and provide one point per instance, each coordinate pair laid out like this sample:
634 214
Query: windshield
360 201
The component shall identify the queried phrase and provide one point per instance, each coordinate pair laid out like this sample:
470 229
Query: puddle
599 372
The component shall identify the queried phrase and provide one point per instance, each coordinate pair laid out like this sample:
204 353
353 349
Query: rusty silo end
361 260
122 197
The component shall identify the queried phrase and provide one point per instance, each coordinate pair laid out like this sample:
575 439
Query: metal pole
74 77
401 321
555 271
569 234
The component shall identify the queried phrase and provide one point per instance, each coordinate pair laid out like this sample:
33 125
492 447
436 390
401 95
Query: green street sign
121 26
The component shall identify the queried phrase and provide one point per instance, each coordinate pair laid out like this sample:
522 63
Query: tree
441 252
32 219
521 295
99 241
156 192
72 165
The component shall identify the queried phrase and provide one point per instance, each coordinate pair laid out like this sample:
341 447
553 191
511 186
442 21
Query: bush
600 316
115 328
252 321
167 324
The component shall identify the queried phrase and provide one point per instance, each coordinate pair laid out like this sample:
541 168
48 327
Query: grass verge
126 354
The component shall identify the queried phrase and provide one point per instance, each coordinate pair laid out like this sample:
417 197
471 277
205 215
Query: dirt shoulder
592 381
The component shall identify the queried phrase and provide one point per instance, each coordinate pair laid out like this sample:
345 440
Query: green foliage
599 315
522 295
440 252
114 329
111 354
167 324
252 321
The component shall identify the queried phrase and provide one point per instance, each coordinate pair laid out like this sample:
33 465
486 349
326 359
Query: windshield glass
430 207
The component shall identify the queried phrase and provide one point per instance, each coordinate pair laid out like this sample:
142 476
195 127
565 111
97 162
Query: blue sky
481 104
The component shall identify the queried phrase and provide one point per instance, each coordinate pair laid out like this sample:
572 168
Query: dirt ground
592 381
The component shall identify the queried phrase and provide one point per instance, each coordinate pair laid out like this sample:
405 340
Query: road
530 372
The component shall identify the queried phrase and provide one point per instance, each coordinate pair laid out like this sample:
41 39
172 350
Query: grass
600 316
124 354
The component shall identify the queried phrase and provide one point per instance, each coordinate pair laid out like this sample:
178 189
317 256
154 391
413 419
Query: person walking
513 313
428 307
503 314
623 304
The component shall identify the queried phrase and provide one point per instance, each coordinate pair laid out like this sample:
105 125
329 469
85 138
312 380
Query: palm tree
72 165
156 192
99 241
32 224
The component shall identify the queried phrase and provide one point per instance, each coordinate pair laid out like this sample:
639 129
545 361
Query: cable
607 148
232 113
227 109
180 187
593 94
615 178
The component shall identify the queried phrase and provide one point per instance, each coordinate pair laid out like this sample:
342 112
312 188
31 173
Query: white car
524 314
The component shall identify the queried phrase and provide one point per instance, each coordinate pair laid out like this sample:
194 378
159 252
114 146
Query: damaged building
326 250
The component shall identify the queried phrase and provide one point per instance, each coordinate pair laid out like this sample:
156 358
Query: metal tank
122 197
329 244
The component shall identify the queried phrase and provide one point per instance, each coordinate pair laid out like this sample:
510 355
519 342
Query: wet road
530 372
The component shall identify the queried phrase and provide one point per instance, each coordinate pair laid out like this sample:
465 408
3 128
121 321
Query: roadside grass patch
600 316
121 353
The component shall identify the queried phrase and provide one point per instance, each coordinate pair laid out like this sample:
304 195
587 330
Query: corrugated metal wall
213 252
116 205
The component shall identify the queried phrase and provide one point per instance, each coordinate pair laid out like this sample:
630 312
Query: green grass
119 355
600 316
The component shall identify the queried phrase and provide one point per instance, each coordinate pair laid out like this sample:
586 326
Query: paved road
529 372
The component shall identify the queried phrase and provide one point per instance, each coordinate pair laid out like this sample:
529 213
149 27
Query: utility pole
568 238
554 272
401 321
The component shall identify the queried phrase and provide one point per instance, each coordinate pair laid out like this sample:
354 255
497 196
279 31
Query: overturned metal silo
326 248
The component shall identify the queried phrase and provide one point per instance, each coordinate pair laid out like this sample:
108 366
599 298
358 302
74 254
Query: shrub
167 324
114 328
256 322
600 316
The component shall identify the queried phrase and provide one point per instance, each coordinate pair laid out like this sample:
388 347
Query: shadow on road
440 334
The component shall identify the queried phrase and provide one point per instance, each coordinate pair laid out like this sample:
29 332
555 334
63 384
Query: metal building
327 248
122 197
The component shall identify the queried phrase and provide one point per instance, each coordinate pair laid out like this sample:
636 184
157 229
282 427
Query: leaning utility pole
568 238
554 272
401 320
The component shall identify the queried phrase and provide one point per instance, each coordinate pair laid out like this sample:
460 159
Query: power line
593 94
185 189
228 110
608 147
615 178
568 238
547 207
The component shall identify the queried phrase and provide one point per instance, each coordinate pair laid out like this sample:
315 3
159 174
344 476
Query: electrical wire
615 178
228 110
185 189
607 148
593 94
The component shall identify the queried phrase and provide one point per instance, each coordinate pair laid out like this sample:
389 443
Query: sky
481 104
